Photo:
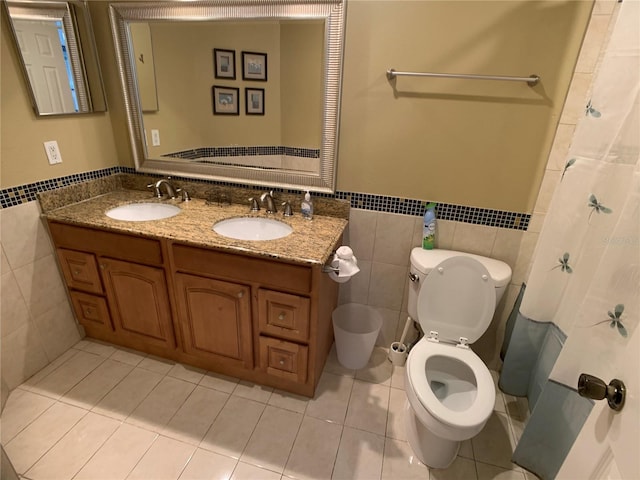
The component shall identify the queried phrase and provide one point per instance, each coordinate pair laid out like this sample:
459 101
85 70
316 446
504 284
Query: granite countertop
311 242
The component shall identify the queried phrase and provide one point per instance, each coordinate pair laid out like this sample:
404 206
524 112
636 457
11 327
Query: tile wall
37 322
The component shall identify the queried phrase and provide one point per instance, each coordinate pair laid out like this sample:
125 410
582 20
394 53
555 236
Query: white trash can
356 328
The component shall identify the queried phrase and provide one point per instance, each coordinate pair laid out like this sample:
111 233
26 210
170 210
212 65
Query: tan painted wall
473 143
86 141
302 85
466 142
185 116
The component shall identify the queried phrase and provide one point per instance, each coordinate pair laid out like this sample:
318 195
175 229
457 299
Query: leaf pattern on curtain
566 167
564 263
592 111
614 319
596 206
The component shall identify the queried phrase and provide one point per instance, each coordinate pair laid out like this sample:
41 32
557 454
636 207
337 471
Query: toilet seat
483 404
457 300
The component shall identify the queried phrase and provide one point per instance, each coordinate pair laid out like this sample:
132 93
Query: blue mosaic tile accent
13 196
196 153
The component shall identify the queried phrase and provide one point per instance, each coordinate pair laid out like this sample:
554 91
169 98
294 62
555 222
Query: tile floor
103 412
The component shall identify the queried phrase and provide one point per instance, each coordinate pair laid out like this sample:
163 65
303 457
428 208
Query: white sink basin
252 228
141 212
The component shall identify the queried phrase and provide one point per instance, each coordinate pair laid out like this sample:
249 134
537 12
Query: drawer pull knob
281 316
281 362
103 266
76 272
240 294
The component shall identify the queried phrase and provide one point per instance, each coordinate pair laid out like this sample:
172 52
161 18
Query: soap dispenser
306 206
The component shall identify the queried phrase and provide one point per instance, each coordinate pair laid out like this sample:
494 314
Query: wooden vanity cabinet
117 285
262 320
281 336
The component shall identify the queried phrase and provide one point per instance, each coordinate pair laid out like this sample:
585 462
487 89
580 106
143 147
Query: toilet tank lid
424 260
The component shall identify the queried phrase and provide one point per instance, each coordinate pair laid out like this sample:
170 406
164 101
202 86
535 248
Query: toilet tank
423 261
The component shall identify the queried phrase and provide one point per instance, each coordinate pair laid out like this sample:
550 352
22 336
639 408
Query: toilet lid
457 299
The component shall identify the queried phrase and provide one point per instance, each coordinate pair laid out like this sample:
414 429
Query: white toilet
450 392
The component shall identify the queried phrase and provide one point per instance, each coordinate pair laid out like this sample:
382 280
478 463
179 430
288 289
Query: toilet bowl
450 392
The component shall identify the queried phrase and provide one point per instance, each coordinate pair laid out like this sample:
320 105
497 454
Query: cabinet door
215 318
138 301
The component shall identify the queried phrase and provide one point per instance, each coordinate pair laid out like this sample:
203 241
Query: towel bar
531 80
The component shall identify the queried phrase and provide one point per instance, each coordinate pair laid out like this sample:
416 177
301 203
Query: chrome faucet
157 188
268 198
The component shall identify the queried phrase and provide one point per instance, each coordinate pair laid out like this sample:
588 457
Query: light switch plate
53 152
155 137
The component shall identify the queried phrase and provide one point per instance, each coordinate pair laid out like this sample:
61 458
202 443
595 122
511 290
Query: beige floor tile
331 399
161 404
233 427
195 415
494 444
219 382
65 377
128 394
165 460
97 384
22 408
333 365
359 455
157 364
206 465
466 449
368 407
397 378
30 384
272 439
119 454
252 391
244 471
395 418
314 450
491 472
400 462
378 370
98 348
288 401
187 373
68 456
128 356
34 441
460 468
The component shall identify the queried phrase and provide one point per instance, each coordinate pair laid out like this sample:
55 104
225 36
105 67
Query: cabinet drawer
92 312
284 359
80 270
108 244
283 315
271 273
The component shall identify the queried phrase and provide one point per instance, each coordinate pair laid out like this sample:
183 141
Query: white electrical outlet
155 137
53 152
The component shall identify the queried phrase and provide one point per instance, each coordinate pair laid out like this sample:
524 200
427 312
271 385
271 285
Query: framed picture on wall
225 100
224 62
254 101
254 66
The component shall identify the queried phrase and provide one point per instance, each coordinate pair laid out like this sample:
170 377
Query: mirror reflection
189 73
57 51
249 92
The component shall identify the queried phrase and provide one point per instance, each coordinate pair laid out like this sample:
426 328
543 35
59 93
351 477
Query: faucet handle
156 190
185 195
288 212
255 206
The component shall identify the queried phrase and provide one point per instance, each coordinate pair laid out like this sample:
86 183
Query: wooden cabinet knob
240 294
281 316
281 362
76 272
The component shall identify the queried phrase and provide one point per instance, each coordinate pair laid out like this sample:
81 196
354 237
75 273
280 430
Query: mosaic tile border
13 196
196 153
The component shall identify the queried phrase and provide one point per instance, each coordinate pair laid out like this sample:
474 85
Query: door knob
594 388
